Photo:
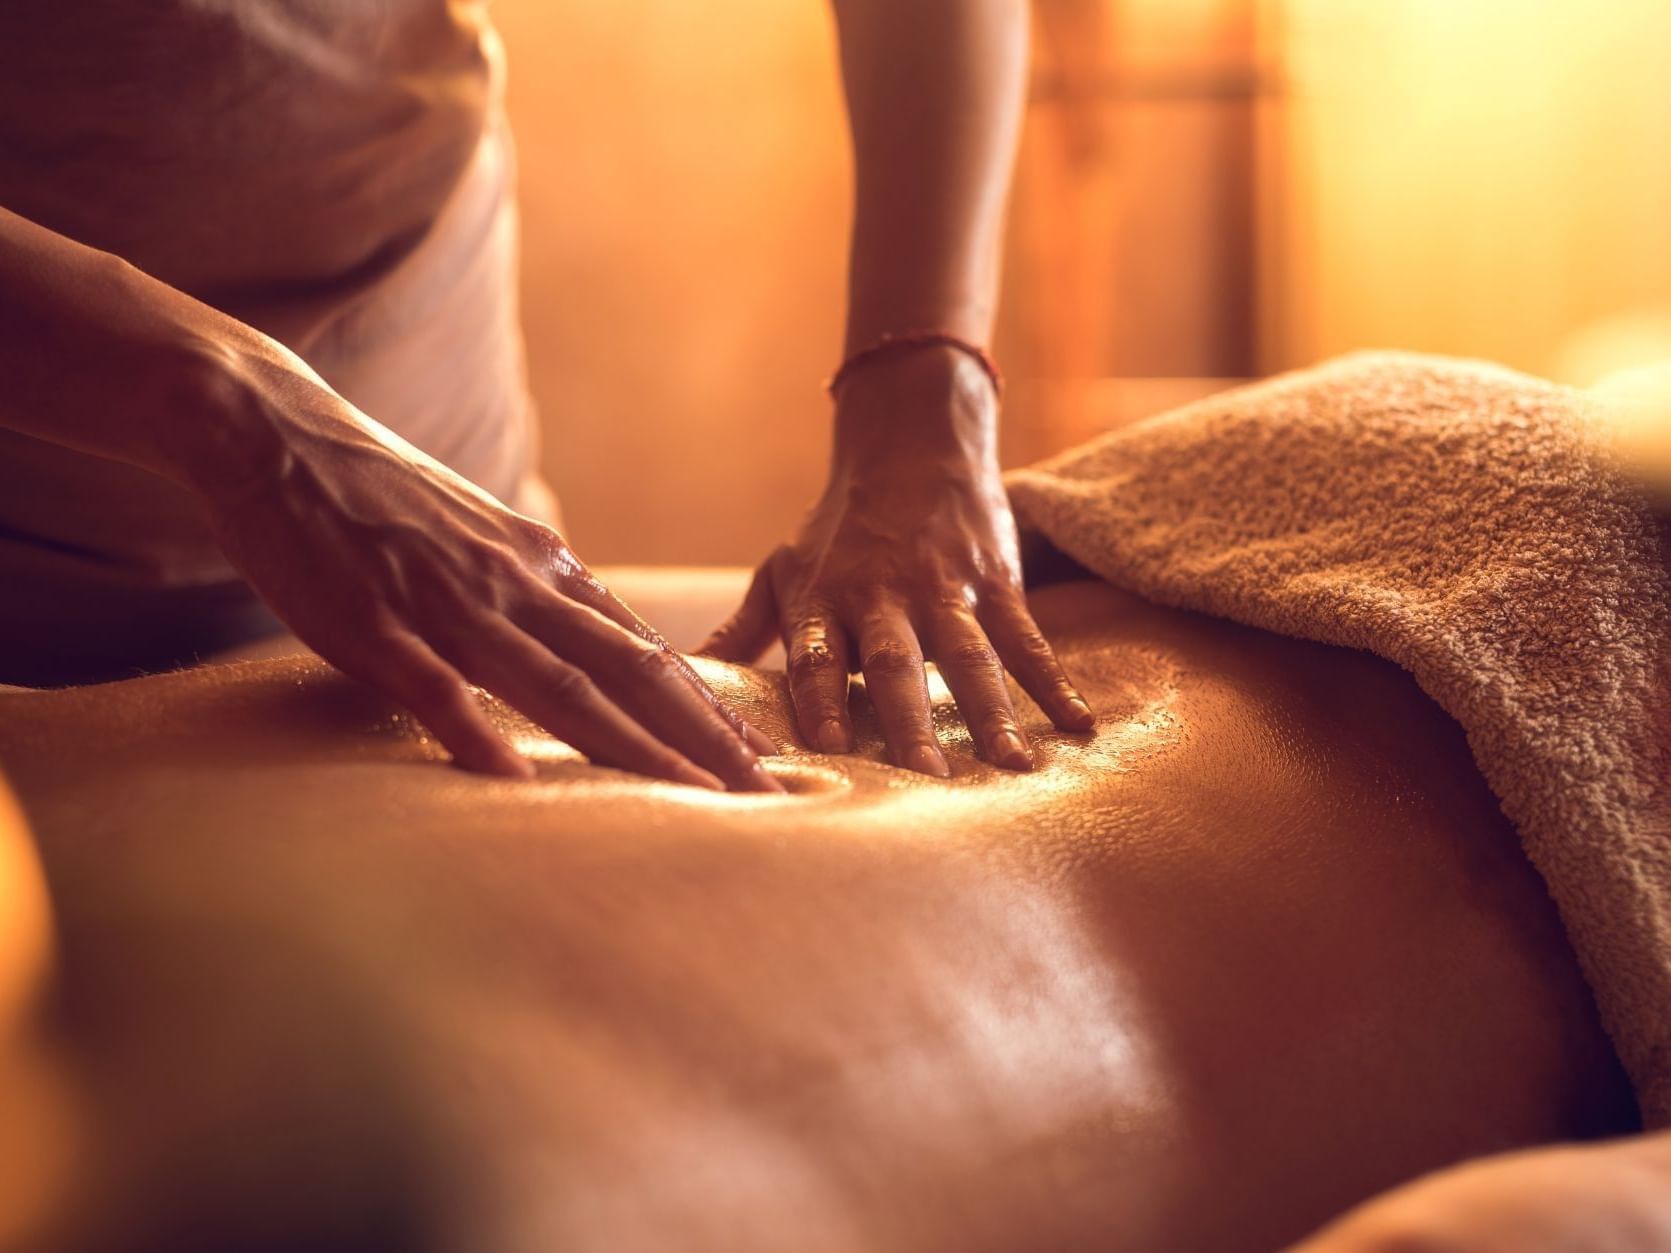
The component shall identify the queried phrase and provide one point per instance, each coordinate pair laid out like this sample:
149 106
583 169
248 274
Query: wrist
892 344
930 400
217 429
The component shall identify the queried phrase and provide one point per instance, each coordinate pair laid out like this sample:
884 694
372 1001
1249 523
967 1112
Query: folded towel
1463 521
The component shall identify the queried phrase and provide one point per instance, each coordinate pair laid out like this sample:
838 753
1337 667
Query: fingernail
832 737
926 759
1081 711
763 781
759 741
1009 752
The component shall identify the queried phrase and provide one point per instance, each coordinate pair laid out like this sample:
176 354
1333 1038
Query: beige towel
1460 520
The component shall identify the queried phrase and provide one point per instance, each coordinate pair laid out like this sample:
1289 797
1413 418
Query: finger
1029 657
578 584
406 669
818 666
969 665
653 685
750 631
563 699
892 662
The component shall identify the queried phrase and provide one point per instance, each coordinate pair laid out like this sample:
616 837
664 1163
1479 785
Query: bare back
1259 948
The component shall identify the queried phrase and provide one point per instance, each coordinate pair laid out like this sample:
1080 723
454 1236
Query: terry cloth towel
1458 519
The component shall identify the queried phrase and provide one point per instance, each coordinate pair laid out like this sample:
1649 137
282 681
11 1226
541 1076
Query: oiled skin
1261 947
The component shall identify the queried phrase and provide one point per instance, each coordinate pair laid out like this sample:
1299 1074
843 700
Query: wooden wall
1207 188
1489 178
685 190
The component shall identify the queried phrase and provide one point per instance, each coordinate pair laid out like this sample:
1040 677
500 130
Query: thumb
750 631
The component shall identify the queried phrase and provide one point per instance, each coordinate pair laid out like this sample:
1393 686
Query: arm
912 549
382 560
934 100
64 307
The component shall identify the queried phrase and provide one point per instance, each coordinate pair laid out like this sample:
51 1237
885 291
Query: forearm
935 90
100 357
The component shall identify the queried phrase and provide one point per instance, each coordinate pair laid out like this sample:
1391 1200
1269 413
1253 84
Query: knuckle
1002 586
657 665
551 555
957 600
810 618
970 654
536 535
891 657
812 659
570 685
877 617
1032 645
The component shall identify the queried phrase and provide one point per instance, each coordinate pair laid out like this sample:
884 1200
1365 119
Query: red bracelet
891 342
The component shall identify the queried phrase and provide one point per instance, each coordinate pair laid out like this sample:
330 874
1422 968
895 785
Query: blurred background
1208 191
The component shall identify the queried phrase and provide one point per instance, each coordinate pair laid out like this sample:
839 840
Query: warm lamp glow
36 1130
25 926
1638 413
1477 178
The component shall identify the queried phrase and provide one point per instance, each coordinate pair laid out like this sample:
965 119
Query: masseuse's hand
1609 1198
910 553
405 575
388 565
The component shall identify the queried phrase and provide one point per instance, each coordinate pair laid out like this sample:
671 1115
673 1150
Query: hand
403 574
1610 1198
910 553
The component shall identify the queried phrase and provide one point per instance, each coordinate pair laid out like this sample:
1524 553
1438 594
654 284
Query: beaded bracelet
891 342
